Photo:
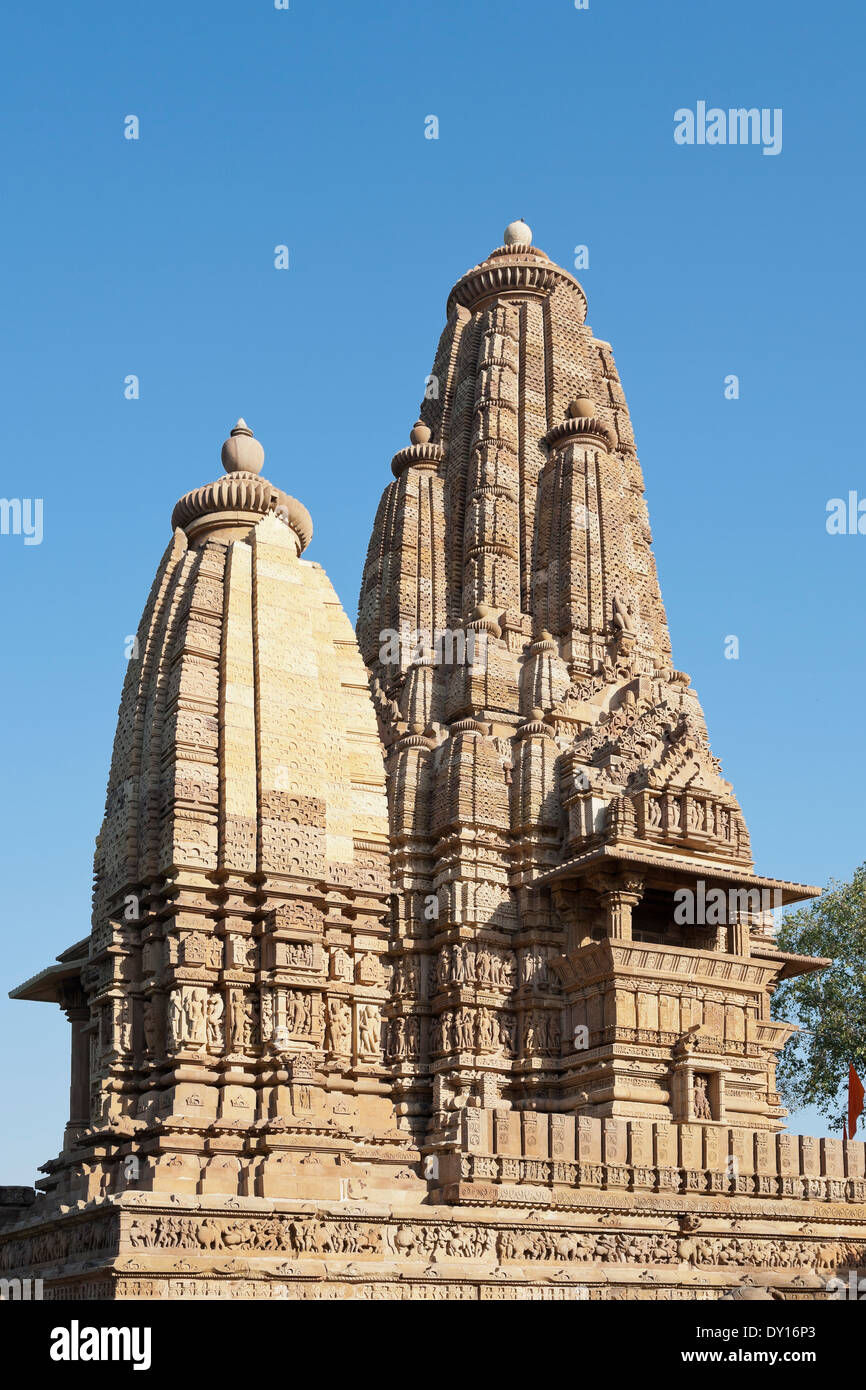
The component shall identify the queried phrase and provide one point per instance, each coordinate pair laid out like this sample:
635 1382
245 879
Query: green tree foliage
830 1005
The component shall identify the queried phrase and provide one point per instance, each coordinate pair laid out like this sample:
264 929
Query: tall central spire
551 785
528 495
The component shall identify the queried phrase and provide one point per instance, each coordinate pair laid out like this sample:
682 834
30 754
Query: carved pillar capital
620 890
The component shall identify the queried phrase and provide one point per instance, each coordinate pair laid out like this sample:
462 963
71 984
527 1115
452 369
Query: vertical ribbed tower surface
519 381
551 785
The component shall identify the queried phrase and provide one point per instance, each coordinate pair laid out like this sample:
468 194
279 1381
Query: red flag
855 1099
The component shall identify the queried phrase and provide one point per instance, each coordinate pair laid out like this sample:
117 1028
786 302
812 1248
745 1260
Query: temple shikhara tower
431 963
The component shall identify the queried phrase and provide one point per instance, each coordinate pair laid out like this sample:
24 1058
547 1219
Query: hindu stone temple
431 962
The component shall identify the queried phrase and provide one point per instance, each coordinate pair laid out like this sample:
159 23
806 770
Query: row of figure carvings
59 1244
465 963
308 1235
238 1019
235 952
482 965
476 964
204 1020
485 1030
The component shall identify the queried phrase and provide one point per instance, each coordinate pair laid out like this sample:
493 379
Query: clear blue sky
305 127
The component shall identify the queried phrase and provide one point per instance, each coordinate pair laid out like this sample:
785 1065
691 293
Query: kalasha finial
420 433
231 507
517 234
582 408
242 452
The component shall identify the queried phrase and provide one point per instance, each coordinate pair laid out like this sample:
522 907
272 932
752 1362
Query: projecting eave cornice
642 961
46 987
677 866
791 963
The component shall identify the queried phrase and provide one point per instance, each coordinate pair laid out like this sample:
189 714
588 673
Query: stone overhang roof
792 963
46 985
685 867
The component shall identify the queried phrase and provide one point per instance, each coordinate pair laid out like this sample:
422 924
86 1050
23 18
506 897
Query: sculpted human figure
482 962
458 966
369 1029
124 1025
486 1030
532 966
441 969
238 1015
338 1026
195 1017
251 1020
701 1099
398 1037
175 1018
186 1010
215 1011
508 1033
295 1012
148 1024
